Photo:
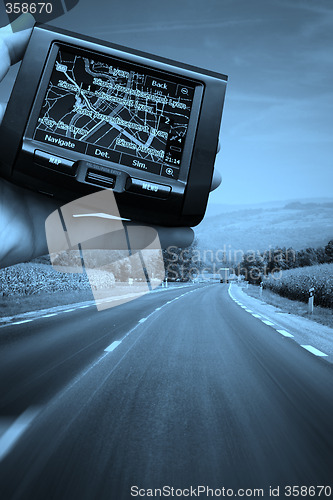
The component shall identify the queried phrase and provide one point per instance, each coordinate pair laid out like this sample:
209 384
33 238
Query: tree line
185 264
257 265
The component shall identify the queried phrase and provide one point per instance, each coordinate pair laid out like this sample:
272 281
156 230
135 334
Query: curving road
181 388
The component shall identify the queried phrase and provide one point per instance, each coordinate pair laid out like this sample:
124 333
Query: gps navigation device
85 114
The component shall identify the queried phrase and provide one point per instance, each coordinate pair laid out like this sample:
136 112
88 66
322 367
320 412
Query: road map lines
109 104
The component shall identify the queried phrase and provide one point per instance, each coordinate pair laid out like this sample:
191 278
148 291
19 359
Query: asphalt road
181 388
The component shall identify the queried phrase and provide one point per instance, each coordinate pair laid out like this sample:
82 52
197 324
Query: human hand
23 212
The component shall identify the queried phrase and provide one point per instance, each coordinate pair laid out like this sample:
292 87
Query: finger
12 47
23 22
180 237
141 236
216 181
16 36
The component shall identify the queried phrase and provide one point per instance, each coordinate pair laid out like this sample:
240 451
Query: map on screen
116 111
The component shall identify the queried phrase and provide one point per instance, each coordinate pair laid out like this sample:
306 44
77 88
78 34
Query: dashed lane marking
115 344
315 351
21 322
11 321
112 346
309 348
285 333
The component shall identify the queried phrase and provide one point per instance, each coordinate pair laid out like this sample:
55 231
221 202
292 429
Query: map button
146 188
55 162
140 163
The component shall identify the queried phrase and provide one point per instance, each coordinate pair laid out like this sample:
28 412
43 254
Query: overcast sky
277 126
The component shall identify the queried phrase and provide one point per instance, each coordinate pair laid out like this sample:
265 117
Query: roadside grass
295 283
15 305
322 315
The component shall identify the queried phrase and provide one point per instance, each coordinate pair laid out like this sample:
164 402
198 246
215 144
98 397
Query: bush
32 278
295 284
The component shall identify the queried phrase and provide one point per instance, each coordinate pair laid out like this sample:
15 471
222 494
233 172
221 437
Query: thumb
13 42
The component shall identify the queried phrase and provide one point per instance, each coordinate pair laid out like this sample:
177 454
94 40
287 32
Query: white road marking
49 315
20 322
112 346
248 310
15 431
142 320
10 321
309 348
315 351
285 333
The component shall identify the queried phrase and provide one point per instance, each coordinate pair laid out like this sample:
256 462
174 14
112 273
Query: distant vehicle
224 273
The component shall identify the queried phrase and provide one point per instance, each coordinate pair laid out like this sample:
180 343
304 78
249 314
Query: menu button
139 186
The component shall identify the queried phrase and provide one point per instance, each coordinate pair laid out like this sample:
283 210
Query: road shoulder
302 330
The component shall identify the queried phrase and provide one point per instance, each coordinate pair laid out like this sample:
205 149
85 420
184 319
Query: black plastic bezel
187 203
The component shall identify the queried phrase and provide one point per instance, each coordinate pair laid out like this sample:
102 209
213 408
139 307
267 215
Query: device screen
116 111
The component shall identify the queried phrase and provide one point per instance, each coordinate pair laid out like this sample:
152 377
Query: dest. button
145 188
55 162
